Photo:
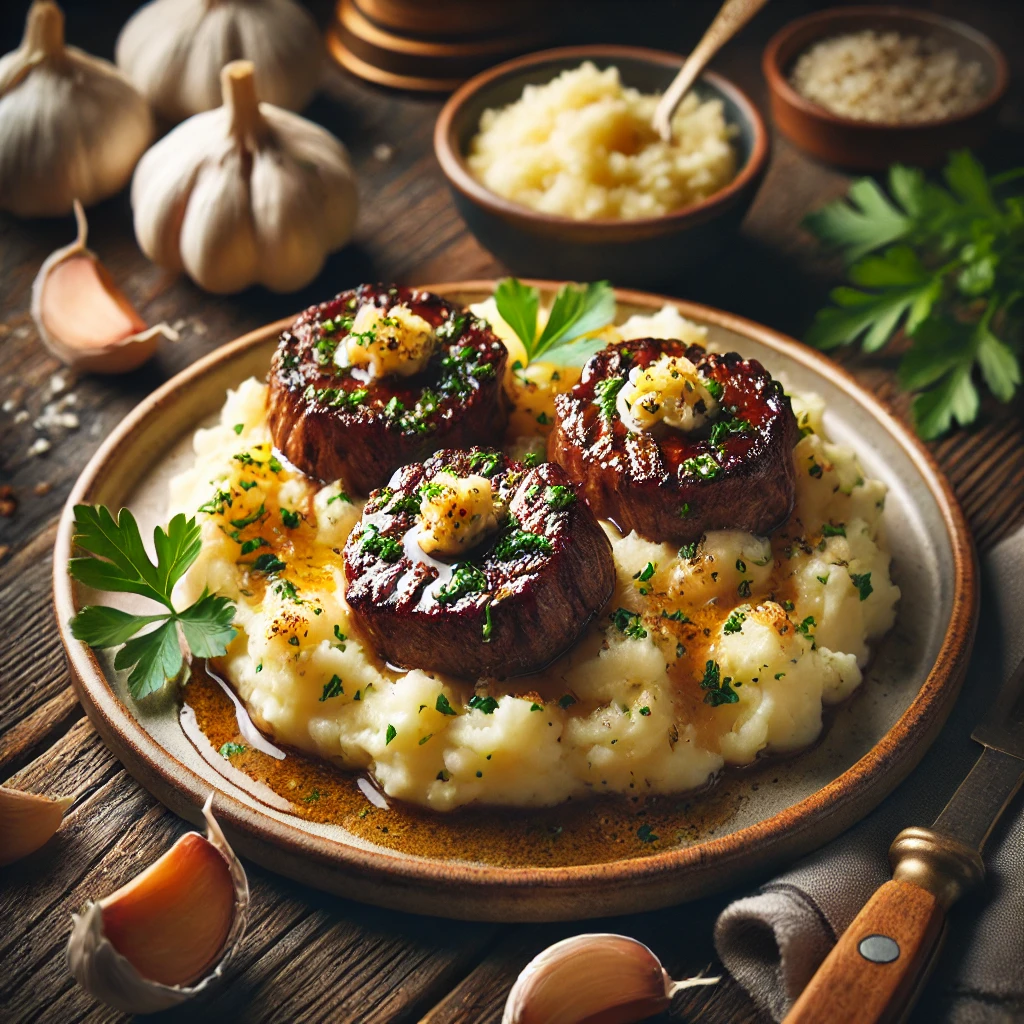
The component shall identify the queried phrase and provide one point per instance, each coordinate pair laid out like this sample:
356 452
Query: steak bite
378 377
472 565
673 441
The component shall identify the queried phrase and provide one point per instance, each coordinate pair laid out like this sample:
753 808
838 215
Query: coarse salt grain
40 446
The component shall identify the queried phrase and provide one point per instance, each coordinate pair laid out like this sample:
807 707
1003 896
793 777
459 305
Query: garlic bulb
245 194
83 318
73 127
605 977
27 821
173 51
168 934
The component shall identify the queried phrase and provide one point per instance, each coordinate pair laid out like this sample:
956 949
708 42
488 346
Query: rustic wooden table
307 955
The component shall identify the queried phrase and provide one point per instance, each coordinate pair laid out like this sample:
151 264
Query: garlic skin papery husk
27 821
601 976
71 125
173 50
167 914
83 318
244 194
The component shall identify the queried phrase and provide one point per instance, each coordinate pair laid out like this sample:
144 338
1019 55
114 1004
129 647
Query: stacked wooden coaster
433 45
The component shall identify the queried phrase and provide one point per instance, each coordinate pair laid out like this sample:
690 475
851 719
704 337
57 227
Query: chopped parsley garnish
788 605
734 623
519 543
241 524
294 641
645 833
407 503
423 739
267 563
836 530
238 428
741 566
645 711
531 460
339 636
285 588
232 748
823 579
714 388
332 689
863 584
677 616
536 707
394 407
684 510
779 675
274 464
559 497
249 546
703 467
815 469
452 328
385 548
805 628
744 588
340 496
719 690
645 573
117 560
483 704
567 701
688 550
247 485
606 393
391 733
484 463
314 795
290 518
337 398
724 429
488 624
544 419
443 706
629 623
466 579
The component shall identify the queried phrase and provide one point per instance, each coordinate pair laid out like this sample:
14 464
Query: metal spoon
731 17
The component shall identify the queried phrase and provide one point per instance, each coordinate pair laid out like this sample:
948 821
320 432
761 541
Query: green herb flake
241 524
703 467
606 393
423 739
249 546
863 584
559 497
488 627
715 389
536 707
645 833
332 689
645 573
688 550
385 548
719 690
628 623
485 705
734 623
684 510
290 518
645 711
229 750
519 543
391 733
443 706
238 428
268 563
833 529
466 579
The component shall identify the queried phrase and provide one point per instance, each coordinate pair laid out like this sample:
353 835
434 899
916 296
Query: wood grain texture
851 989
305 955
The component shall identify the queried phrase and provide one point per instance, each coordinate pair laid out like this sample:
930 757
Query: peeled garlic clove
27 821
611 979
83 318
173 51
169 933
72 125
244 194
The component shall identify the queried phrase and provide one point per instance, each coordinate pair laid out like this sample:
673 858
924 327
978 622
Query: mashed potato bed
787 623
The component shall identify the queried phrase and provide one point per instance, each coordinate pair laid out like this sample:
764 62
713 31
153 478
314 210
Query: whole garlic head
173 50
245 194
72 126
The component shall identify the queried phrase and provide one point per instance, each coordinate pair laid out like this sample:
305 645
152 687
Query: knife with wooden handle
882 960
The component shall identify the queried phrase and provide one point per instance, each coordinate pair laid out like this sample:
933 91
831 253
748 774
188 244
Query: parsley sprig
117 561
578 311
946 264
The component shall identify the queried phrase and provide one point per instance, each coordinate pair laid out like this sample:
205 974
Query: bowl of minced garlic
865 87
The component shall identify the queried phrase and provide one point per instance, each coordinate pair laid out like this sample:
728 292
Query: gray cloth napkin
774 941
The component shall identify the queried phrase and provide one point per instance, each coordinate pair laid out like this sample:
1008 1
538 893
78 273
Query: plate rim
409 882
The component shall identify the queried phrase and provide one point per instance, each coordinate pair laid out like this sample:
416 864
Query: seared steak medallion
672 441
378 377
473 565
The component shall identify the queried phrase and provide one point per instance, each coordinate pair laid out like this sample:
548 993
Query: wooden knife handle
875 970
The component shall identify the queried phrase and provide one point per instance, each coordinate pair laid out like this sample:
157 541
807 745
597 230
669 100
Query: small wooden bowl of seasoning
866 87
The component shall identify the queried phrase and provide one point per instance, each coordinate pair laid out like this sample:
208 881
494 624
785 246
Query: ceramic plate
749 824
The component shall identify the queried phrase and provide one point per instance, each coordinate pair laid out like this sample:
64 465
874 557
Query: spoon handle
731 17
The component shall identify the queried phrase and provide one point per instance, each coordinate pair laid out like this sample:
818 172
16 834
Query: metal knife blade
975 808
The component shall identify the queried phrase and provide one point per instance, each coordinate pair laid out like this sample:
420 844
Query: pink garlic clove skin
84 318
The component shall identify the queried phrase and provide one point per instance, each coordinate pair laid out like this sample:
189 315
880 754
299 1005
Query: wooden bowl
869 145
647 251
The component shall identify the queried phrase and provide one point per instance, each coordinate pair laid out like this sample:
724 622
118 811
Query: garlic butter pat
668 391
393 341
456 513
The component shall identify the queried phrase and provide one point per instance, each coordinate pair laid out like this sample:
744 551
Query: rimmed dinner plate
869 746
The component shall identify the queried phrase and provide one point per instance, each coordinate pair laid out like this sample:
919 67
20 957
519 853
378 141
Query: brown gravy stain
591 831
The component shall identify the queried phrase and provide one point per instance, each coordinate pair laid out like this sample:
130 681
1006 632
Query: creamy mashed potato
583 146
705 657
